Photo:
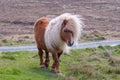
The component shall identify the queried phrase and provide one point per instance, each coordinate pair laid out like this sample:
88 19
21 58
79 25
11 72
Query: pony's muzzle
70 43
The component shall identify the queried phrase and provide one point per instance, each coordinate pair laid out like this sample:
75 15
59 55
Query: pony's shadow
43 71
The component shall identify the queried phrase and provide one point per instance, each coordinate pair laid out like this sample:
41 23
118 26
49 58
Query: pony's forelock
78 24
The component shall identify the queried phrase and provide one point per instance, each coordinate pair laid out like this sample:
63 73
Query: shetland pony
39 32
62 32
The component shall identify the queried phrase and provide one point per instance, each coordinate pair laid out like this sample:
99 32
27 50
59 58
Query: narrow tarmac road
79 46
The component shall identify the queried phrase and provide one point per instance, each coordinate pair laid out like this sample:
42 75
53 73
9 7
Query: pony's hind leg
47 60
40 53
59 54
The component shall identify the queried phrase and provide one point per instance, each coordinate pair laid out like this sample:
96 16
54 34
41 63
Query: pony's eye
66 30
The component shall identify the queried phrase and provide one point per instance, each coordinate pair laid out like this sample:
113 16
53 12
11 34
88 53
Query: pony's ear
64 22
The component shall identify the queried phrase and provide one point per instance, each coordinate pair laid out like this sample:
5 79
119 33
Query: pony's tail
41 23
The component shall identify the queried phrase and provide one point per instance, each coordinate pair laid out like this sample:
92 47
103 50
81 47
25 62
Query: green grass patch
102 63
10 42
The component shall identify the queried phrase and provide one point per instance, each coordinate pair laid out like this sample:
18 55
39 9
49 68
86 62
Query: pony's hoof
53 70
60 74
46 65
42 66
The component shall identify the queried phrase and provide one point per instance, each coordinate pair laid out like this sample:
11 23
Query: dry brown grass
26 39
113 59
1 43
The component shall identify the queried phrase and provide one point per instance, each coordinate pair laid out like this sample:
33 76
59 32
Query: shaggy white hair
52 37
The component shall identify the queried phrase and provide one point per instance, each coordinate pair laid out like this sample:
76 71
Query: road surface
79 46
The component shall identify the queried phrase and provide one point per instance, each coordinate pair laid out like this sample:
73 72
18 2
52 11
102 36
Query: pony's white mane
52 34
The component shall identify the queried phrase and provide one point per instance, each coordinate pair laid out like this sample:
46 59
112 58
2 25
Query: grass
10 42
92 36
100 63
13 40
28 39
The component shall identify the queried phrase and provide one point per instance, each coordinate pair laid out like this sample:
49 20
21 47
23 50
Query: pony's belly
42 46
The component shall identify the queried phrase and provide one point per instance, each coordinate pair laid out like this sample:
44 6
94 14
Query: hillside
18 16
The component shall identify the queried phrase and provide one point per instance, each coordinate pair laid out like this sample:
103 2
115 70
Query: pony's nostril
70 43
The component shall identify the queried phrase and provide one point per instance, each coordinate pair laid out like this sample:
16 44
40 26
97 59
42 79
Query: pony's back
39 31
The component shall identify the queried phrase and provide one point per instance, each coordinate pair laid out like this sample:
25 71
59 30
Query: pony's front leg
55 66
40 53
59 54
